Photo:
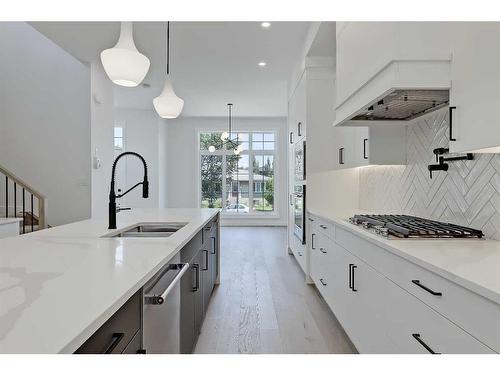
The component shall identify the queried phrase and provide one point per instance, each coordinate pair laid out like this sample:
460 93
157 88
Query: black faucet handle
440 151
145 188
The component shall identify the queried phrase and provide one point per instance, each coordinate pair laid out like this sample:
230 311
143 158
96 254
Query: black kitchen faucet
113 196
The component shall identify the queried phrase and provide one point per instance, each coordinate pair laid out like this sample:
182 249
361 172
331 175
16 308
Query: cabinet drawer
193 246
321 225
472 312
320 254
114 335
300 253
413 327
134 345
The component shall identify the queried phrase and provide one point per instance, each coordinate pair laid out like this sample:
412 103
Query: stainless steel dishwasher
161 311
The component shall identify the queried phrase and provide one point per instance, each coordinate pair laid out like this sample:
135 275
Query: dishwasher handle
158 299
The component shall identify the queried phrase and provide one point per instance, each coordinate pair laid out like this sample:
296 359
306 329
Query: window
241 183
118 138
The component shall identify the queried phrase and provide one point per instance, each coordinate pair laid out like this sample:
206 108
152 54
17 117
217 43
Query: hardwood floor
263 304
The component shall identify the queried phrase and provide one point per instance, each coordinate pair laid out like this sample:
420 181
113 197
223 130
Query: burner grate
405 226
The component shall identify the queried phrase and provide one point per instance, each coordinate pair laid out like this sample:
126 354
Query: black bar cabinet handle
451 123
416 336
196 268
322 250
215 245
291 138
341 155
353 267
322 282
313 236
417 283
364 148
350 275
206 260
115 340
299 129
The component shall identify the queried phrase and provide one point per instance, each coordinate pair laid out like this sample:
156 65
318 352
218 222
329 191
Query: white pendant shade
124 64
168 105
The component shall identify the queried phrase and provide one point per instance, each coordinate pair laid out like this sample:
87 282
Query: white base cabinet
378 314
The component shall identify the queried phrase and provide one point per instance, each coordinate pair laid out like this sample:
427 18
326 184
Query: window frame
119 124
251 153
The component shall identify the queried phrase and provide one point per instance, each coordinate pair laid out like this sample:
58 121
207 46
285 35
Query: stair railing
26 201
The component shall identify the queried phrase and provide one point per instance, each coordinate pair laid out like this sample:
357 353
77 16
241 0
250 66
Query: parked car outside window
237 208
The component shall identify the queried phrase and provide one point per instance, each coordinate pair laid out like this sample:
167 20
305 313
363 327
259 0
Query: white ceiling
212 63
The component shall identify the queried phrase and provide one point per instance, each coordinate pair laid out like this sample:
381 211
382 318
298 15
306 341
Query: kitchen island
58 286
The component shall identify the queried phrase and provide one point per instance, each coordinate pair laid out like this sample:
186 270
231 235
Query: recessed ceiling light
265 25
262 63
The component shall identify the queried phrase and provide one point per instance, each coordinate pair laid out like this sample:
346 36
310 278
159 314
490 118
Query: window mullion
224 182
250 180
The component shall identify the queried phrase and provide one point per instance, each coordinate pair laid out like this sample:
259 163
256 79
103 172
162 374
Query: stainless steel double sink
149 230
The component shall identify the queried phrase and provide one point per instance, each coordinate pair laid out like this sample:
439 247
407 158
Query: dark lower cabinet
187 331
197 288
199 310
120 333
134 346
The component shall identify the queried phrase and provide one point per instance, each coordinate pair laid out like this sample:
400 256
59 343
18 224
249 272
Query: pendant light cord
168 48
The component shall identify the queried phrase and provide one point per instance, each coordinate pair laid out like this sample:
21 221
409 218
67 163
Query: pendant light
168 105
225 135
124 64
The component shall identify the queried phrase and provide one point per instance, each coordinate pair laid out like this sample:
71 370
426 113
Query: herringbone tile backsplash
468 194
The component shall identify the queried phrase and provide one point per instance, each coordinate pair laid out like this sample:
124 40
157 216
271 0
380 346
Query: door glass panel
263 178
237 184
211 181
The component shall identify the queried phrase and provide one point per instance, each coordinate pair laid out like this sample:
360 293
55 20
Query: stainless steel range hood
402 105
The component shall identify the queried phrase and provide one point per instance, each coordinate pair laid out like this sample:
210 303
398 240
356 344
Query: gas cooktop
405 226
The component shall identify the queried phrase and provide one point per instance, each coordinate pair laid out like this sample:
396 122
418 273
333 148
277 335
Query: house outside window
226 178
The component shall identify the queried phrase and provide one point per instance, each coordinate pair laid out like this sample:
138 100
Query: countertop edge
465 283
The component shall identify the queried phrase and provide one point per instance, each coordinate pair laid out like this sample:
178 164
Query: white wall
333 191
141 136
45 120
182 158
162 163
102 116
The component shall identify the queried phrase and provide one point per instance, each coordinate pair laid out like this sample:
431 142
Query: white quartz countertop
57 286
471 263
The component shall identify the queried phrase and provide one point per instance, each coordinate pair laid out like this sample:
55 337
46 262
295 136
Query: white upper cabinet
297 111
475 90
381 144
376 59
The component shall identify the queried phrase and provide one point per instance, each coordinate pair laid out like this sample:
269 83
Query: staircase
18 199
